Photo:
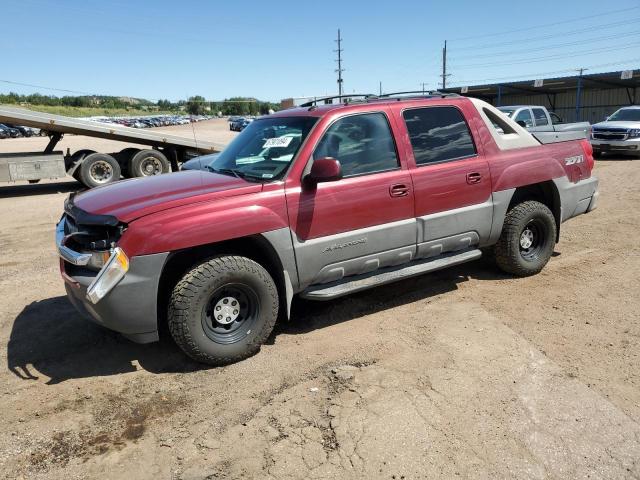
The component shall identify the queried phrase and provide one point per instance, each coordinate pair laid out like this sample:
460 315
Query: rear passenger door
451 180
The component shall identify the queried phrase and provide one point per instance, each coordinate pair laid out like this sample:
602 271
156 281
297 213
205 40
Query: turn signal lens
109 276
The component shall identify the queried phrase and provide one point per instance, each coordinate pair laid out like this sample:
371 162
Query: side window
524 116
555 119
438 134
540 116
362 143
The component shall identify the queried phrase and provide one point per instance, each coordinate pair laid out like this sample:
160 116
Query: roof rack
315 101
419 94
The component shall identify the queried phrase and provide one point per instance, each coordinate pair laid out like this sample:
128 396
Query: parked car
619 133
368 193
545 125
11 132
199 163
237 125
24 131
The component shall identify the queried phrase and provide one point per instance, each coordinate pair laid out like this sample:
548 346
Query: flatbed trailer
166 153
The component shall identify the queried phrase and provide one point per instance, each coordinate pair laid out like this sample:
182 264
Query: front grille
611 134
90 237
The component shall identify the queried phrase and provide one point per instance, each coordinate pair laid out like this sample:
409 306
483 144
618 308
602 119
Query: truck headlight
109 276
634 133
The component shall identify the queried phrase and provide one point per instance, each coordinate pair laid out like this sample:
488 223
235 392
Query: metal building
577 98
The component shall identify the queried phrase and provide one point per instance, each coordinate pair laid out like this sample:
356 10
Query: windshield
626 114
264 149
508 111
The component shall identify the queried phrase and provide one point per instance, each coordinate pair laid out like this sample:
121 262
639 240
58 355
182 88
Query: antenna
339 70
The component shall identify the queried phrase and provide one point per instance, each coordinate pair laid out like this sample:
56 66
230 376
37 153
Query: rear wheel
99 169
527 239
146 163
223 310
124 157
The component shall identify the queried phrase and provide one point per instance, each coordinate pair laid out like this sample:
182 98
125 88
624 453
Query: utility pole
579 92
380 88
444 66
339 70
423 84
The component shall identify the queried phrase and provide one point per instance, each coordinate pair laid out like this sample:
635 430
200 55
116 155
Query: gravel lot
466 373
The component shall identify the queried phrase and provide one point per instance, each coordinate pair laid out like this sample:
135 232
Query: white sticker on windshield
277 142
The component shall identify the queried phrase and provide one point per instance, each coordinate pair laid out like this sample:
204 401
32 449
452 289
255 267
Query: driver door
365 220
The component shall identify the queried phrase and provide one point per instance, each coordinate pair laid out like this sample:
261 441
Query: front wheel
223 310
527 240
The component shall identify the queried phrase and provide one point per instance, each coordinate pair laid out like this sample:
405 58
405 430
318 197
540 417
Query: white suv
619 133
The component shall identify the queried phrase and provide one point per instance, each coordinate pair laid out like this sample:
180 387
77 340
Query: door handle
399 190
474 177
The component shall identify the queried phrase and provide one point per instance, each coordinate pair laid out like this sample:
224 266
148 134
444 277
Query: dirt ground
466 373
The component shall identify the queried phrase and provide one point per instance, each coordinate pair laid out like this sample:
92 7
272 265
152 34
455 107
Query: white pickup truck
619 133
546 126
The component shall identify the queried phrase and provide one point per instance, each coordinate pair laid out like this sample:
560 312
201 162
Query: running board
388 275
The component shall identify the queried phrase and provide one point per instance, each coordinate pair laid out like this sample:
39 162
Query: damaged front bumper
129 305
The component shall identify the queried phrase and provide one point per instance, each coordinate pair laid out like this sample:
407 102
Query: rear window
438 134
541 116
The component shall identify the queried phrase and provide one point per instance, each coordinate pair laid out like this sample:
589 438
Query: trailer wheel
76 159
99 169
124 157
148 162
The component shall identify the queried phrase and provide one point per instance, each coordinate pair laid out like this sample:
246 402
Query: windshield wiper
235 173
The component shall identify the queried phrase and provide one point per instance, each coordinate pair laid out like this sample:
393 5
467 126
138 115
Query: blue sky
277 49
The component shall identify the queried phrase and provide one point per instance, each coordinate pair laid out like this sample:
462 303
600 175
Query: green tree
195 105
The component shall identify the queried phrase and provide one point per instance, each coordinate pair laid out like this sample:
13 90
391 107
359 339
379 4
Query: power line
10 82
553 57
562 22
579 31
545 74
551 47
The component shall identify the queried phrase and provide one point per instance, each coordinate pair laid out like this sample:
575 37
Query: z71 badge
574 160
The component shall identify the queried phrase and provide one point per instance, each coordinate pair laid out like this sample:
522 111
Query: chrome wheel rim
101 172
150 166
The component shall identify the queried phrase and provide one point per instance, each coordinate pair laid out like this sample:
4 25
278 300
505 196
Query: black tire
148 162
98 169
124 157
597 154
527 240
202 292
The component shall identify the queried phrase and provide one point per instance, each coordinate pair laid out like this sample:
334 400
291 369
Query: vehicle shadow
49 338
7 191
307 315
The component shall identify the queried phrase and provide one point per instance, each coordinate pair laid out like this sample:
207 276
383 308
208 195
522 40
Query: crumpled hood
625 124
135 198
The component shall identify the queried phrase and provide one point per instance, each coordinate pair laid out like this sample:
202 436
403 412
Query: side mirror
326 169
521 123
